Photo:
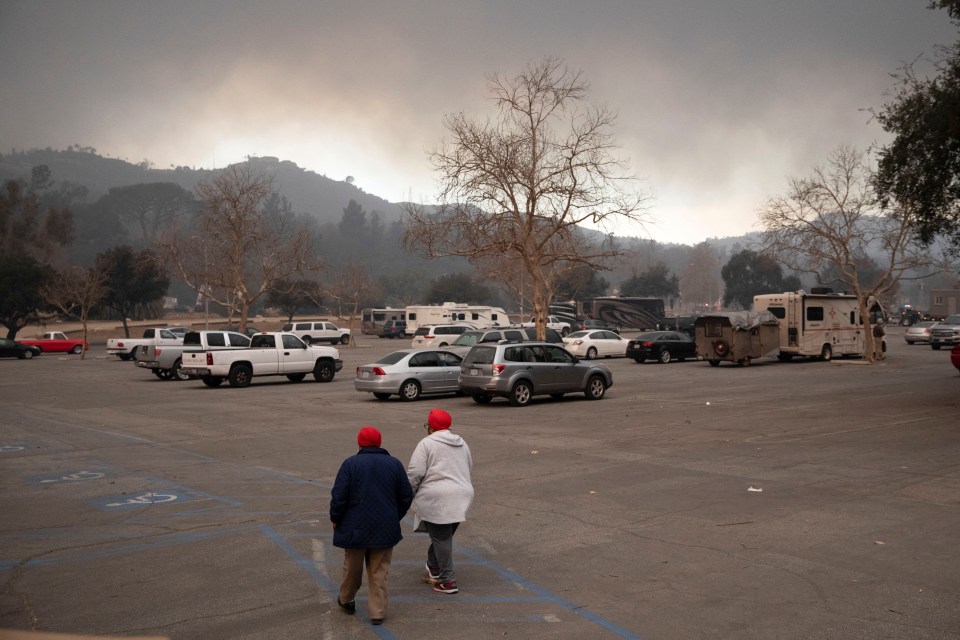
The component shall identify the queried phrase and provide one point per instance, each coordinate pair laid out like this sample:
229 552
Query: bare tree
832 223
519 189
75 292
351 290
236 252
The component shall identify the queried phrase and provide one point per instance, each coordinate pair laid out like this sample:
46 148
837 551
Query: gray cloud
719 100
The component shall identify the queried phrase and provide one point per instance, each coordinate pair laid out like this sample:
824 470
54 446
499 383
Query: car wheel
307 339
664 356
714 363
565 332
296 377
176 373
344 339
77 348
324 372
410 390
125 356
212 381
591 353
480 398
935 347
638 360
240 375
826 353
596 387
521 393
159 373
381 396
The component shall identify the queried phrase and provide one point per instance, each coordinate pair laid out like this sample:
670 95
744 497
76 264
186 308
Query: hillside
307 191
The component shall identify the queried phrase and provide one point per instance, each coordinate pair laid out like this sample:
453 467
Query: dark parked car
520 370
249 331
394 329
955 356
11 349
663 346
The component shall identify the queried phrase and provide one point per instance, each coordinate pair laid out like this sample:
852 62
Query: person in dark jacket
369 498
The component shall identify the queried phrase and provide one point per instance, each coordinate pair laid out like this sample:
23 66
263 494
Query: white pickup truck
553 322
126 348
273 353
166 361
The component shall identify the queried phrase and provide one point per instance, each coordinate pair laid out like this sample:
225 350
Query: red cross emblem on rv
833 313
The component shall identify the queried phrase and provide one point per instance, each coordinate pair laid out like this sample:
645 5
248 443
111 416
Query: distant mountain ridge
307 191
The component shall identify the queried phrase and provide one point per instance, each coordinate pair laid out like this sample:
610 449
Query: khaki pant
378 566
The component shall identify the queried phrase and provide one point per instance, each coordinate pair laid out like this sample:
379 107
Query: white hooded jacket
439 472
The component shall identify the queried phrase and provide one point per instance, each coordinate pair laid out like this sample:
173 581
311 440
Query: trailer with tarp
737 336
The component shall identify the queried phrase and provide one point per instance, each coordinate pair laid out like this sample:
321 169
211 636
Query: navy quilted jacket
369 497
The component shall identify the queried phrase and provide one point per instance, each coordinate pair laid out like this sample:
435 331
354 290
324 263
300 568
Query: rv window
853 317
379 317
412 315
474 315
778 312
815 314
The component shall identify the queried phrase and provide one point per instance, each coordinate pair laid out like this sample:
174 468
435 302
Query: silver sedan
410 373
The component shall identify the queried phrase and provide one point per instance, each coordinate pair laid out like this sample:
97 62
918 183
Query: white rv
821 324
472 315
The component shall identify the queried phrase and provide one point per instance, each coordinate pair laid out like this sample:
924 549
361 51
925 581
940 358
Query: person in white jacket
439 472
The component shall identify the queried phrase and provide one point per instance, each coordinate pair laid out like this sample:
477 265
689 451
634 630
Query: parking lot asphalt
781 500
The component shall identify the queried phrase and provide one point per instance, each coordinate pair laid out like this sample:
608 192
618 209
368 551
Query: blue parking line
543 595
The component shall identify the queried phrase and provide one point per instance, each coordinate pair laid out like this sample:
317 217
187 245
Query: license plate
364 374
474 372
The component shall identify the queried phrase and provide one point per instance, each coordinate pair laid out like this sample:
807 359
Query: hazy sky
719 101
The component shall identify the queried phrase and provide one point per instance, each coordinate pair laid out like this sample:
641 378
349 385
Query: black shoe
376 621
349 607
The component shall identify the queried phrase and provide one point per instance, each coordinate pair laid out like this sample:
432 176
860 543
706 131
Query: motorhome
819 324
471 315
371 323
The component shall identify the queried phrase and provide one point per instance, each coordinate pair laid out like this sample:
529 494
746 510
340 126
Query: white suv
311 332
437 335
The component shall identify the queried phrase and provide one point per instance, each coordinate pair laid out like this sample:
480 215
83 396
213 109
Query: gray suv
519 371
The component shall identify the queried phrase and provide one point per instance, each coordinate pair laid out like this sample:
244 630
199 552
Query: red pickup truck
57 341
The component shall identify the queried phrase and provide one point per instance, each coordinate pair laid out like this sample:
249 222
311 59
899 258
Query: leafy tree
21 280
582 281
656 282
133 280
921 166
459 287
748 274
148 208
829 223
700 281
27 229
518 186
236 249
